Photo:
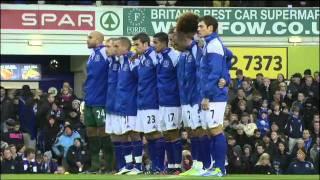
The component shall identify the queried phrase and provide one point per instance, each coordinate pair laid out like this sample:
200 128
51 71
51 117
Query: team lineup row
157 89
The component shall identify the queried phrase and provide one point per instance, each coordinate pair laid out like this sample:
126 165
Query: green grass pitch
151 177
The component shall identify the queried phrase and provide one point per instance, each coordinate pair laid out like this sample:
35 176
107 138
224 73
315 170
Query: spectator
15 155
8 164
241 138
73 115
236 83
310 89
307 140
27 112
300 166
7 109
186 160
235 160
240 96
277 97
275 84
264 108
227 111
263 166
227 127
29 163
299 102
248 125
14 135
65 99
266 90
276 168
64 141
294 128
256 101
275 139
316 127
279 118
58 113
268 144
299 145
314 154
44 110
231 143
241 108
258 82
295 86
263 123
256 138
281 157
81 128
246 159
308 113
77 157
48 135
306 74
185 141
285 100
259 151
48 165
247 88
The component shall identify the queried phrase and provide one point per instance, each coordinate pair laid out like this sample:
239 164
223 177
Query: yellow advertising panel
252 60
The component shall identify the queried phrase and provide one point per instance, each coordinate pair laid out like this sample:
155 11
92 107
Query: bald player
95 89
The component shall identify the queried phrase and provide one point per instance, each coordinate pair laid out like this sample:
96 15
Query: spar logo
47 19
109 21
136 21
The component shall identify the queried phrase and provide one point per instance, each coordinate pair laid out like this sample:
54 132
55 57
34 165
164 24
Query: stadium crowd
272 127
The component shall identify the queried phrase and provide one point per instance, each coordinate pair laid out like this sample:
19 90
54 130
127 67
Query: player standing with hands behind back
95 96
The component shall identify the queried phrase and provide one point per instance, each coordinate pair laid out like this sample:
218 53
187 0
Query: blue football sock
170 155
160 153
205 152
195 148
152 154
220 148
212 150
127 152
137 153
119 155
177 146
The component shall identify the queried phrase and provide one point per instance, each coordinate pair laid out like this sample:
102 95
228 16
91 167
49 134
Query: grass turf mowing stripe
152 177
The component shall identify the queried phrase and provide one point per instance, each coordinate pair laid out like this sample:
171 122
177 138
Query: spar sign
232 21
47 19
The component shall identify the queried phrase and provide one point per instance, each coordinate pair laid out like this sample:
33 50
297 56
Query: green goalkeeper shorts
94 116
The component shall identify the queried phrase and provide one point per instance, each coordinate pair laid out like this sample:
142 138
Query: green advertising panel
232 21
301 58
